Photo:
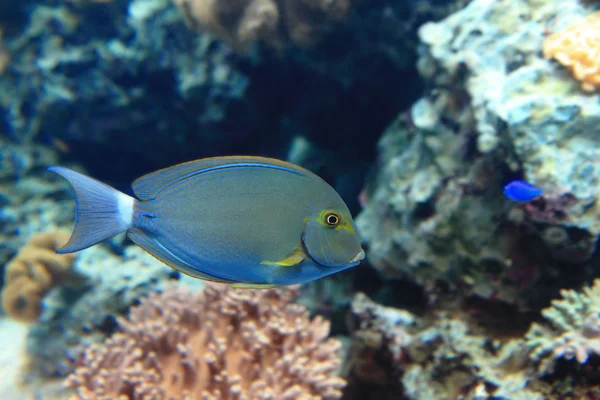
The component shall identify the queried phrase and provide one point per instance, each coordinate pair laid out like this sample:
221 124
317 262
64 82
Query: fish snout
358 258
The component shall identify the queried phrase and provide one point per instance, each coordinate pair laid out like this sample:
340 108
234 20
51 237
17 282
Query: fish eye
332 219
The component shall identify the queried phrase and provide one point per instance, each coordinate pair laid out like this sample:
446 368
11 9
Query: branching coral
217 344
33 272
273 22
574 330
578 48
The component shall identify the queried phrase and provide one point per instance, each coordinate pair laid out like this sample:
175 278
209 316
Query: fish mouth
359 257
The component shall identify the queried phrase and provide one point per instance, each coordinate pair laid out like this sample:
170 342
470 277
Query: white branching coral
573 331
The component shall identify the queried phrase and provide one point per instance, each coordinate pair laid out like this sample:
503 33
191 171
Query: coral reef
75 319
438 218
572 332
485 63
462 271
215 344
90 74
576 47
495 110
93 73
273 22
33 272
442 356
379 339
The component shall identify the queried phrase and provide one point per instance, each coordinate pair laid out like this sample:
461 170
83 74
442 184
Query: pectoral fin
294 258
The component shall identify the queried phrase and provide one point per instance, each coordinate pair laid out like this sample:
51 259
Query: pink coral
218 344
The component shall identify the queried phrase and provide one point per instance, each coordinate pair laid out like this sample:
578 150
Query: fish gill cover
418 113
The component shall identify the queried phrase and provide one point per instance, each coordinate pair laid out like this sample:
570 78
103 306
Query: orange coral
578 48
242 22
33 272
217 344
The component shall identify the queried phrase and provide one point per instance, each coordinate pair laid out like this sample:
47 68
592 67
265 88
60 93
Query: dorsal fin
149 186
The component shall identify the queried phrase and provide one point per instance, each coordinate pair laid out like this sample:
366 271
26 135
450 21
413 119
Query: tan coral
578 48
273 22
217 344
33 272
4 55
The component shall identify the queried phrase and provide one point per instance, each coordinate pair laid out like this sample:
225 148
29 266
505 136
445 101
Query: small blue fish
521 191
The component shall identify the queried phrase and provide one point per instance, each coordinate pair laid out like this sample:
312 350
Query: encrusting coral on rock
35 270
273 22
215 344
578 48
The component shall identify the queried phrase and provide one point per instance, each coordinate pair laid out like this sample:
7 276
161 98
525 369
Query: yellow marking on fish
294 258
344 224
253 285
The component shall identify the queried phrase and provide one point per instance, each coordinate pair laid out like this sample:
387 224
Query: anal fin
156 249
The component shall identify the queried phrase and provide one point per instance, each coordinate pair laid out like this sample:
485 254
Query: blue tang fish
521 191
247 221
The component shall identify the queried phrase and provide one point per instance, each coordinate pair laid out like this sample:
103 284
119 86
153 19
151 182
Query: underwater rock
490 54
379 336
437 356
28 201
435 214
127 80
92 74
216 344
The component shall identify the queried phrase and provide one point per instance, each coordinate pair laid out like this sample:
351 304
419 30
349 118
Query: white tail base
125 204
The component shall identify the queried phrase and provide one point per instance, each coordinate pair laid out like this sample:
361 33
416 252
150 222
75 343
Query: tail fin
101 212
